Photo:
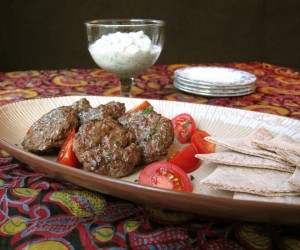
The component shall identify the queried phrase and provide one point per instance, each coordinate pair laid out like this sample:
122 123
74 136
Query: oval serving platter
17 117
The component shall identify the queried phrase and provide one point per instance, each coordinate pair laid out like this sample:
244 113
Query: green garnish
108 155
147 110
152 132
149 137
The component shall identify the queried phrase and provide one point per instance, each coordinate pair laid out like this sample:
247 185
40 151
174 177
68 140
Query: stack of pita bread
256 167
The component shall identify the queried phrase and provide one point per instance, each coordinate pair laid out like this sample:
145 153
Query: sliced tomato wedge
66 154
185 158
184 127
203 146
145 105
165 175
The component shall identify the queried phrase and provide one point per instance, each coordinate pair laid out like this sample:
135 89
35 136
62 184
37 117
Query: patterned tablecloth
38 212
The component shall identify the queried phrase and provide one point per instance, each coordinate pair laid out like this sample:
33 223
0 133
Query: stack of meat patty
108 141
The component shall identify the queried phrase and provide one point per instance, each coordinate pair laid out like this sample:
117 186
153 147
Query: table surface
39 212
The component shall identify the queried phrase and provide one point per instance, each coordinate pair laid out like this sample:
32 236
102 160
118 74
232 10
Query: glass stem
126 85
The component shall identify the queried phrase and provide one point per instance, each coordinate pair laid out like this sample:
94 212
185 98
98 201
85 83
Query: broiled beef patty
115 109
106 148
81 104
111 109
50 131
154 133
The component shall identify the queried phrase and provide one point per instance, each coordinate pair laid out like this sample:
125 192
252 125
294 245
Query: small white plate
217 92
217 76
214 81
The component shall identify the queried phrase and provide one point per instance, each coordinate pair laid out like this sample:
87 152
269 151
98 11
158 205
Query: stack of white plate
214 81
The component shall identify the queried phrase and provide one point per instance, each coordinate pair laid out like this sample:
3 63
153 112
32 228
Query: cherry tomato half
184 127
143 105
66 154
165 175
185 158
203 146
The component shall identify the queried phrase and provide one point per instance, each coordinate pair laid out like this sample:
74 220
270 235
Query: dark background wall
50 34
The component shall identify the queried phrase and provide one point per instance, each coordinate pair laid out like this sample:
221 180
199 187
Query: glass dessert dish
125 47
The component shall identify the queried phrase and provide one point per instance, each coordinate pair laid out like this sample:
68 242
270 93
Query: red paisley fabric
37 212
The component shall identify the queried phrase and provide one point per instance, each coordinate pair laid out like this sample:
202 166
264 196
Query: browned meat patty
115 109
154 133
105 147
80 105
50 131
111 109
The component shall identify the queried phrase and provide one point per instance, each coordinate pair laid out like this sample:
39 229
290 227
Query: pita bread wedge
279 199
279 142
251 180
239 159
244 145
295 159
295 178
290 157
261 134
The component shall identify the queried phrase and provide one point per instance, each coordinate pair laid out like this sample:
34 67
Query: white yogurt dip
124 54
